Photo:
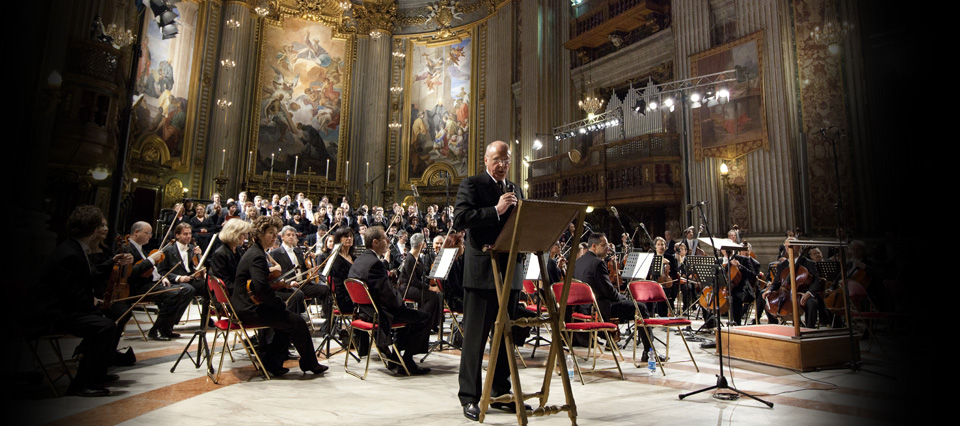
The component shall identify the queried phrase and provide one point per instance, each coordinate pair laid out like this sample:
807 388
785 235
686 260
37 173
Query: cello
779 302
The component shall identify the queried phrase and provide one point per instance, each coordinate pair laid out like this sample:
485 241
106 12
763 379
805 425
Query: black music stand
440 270
203 349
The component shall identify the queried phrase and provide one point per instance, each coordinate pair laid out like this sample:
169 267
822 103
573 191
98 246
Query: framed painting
165 89
438 109
733 128
303 83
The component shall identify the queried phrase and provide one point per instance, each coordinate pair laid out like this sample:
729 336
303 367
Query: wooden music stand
532 228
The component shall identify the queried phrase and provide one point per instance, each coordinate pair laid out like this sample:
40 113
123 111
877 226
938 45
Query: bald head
497 159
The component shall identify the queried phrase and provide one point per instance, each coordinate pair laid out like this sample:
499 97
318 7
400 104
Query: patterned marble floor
149 394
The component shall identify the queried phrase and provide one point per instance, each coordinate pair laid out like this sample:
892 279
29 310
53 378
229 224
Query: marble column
371 146
224 150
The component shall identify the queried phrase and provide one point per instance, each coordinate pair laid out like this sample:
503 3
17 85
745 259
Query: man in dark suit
412 339
66 298
171 304
592 270
179 267
484 202
289 256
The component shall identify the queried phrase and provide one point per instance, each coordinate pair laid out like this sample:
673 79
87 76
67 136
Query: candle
272 157
388 176
346 173
250 163
296 161
223 159
367 176
326 172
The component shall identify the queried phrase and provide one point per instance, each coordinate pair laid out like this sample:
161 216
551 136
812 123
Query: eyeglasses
499 161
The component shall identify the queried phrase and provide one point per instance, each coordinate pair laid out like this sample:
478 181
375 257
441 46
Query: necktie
500 185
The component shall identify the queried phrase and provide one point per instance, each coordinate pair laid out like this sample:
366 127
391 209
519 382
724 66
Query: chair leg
688 351
614 352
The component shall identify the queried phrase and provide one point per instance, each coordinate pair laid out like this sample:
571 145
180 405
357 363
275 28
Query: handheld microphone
510 187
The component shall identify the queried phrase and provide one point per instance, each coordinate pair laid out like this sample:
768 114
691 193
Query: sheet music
334 252
441 265
638 265
531 267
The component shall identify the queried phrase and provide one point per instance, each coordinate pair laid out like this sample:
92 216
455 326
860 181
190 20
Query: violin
117 286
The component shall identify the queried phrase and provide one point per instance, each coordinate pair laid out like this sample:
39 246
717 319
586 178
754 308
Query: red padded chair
227 323
649 292
582 294
360 295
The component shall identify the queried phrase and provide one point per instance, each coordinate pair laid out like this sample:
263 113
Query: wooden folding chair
582 294
648 292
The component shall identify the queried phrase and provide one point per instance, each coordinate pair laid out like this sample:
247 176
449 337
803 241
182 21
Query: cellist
810 299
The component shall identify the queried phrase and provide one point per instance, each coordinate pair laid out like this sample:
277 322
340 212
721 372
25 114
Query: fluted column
234 67
373 131
501 42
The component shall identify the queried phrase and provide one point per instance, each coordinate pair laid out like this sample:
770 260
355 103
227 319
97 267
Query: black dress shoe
416 370
645 358
509 407
319 369
471 411
171 334
155 334
279 372
88 391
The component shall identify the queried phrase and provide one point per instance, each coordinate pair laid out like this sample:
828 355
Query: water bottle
570 368
651 361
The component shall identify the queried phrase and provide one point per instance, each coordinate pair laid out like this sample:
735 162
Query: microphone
614 211
695 205
510 187
642 226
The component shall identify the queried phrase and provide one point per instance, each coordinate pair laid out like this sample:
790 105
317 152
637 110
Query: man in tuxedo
289 256
172 304
484 202
179 268
412 339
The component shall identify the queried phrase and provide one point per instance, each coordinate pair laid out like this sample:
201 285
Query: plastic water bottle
570 368
651 361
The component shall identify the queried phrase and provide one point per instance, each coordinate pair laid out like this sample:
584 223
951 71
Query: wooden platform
776 345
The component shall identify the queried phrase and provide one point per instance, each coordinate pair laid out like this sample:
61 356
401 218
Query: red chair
649 292
582 294
360 295
228 323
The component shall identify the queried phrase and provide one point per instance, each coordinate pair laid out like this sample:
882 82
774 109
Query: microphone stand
721 379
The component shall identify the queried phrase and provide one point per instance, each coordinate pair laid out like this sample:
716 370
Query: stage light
537 144
652 105
639 106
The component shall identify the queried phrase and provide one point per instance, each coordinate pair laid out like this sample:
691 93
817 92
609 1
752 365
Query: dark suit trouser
429 302
287 326
480 308
97 346
171 305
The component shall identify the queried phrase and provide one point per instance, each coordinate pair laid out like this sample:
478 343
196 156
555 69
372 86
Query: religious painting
735 126
438 103
163 92
301 90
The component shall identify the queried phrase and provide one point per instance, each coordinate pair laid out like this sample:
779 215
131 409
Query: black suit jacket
369 269
223 264
476 212
69 280
593 271
171 256
253 266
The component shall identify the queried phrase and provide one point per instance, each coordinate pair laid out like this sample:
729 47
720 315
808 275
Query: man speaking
484 202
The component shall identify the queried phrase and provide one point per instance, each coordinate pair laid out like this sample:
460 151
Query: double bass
779 302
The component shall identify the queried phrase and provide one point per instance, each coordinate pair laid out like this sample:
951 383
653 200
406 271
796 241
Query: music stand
439 271
203 350
531 272
532 228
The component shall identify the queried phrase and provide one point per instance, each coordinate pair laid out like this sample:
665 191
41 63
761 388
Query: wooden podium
532 228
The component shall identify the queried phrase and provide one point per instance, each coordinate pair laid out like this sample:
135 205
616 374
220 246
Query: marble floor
149 394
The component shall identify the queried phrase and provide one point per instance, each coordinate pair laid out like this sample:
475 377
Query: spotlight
639 106
557 137
537 144
723 95
668 103
652 105
695 100
583 131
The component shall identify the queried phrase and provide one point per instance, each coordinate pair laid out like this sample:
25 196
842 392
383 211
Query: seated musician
66 301
613 305
453 287
687 289
144 276
224 260
415 286
180 261
810 299
256 303
412 339
290 256
665 273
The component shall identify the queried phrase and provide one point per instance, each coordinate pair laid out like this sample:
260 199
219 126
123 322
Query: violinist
180 262
664 273
256 302
554 271
224 260
687 289
66 302
289 256
172 304
810 299
453 287
612 304
415 286
690 240
342 261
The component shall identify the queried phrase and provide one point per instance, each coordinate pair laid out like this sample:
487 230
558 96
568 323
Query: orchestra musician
180 265
66 300
415 286
687 288
742 289
146 272
340 269
290 256
224 260
412 339
810 300
256 302
665 272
